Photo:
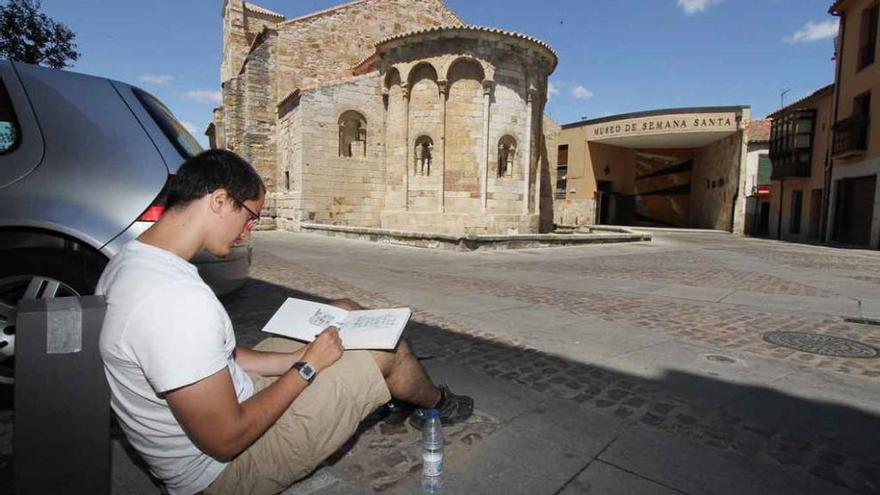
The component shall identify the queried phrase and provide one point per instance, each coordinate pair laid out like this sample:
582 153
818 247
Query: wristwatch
305 370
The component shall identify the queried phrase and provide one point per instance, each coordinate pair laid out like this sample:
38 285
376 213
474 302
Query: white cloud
204 96
581 93
155 78
813 31
189 126
552 90
691 7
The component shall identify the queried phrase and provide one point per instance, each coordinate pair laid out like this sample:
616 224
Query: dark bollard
62 403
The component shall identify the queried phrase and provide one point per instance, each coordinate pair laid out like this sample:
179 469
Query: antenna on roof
782 97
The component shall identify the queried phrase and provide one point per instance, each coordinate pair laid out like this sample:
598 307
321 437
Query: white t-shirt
164 329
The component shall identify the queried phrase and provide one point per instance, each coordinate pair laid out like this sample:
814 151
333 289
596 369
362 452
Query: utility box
61 442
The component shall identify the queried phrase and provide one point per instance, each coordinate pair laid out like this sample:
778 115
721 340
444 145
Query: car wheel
37 274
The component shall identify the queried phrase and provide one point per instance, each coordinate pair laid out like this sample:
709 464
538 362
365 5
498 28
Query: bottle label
432 463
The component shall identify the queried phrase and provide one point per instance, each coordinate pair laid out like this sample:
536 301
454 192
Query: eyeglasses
254 217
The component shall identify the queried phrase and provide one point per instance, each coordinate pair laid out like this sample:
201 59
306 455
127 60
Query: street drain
824 345
720 359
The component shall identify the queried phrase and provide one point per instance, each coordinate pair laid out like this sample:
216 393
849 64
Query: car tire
38 273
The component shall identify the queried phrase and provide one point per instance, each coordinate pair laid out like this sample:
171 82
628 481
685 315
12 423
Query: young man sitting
205 414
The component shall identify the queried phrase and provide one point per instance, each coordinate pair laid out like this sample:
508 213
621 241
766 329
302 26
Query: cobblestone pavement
687 268
695 321
828 454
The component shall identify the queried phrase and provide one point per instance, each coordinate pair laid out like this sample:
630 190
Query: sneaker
397 411
453 409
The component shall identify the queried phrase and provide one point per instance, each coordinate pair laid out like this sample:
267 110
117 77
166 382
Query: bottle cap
433 413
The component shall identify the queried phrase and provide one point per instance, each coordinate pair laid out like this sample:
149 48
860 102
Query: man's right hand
325 350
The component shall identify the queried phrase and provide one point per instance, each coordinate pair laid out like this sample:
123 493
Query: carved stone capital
532 94
443 84
488 86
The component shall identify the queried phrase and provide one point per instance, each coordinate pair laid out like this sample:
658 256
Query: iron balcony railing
850 136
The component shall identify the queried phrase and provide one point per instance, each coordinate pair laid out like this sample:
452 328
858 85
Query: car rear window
9 133
183 141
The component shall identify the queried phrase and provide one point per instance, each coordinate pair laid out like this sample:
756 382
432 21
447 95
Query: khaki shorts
318 422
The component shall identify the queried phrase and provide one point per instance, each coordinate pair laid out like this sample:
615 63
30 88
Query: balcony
791 143
792 165
850 136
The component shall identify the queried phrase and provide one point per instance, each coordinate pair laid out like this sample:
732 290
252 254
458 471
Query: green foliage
28 35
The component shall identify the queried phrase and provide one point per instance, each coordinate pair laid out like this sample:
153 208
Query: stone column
488 86
443 84
527 147
541 100
404 87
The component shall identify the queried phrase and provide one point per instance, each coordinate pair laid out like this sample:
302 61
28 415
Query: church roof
482 29
261 10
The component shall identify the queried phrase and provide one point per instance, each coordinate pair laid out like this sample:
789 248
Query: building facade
853 216
758 187
389 114
799 152
680 168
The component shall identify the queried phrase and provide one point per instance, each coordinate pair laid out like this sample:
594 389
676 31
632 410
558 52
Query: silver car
83 164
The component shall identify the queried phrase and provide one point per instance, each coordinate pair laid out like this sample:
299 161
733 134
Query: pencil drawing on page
322 319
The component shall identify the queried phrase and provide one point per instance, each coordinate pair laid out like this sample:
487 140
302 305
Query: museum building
682 168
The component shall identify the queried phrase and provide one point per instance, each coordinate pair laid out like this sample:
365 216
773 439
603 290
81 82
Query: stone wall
235 44
508 118
258 146
288 198
574 211
335 189
547 156
714 183
464 139
231 119
426 123
346 35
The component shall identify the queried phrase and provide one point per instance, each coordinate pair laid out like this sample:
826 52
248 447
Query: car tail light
155 210
152 214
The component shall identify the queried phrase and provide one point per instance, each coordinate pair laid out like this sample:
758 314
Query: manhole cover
825 345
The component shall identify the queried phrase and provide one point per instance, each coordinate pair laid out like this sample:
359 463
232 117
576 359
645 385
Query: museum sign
664 124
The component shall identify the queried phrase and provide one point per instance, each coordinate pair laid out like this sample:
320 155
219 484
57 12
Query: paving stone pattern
686 268
631 399
729 328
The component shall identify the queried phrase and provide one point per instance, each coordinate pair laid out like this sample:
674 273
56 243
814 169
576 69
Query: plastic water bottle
432 453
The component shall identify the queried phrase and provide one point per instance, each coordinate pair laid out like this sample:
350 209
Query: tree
28 35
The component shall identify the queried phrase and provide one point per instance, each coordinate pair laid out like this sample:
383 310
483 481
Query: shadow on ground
832 442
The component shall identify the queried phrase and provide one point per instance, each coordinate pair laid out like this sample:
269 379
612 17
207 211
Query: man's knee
388 360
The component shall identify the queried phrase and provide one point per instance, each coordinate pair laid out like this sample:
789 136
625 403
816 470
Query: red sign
764 191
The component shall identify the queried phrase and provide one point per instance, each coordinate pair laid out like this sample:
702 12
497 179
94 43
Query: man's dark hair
212 170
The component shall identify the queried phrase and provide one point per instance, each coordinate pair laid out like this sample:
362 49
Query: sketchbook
362 329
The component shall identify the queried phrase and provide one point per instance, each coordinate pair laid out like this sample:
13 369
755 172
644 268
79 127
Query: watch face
308 371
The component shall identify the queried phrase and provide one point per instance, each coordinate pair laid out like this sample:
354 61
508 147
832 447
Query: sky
616 56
